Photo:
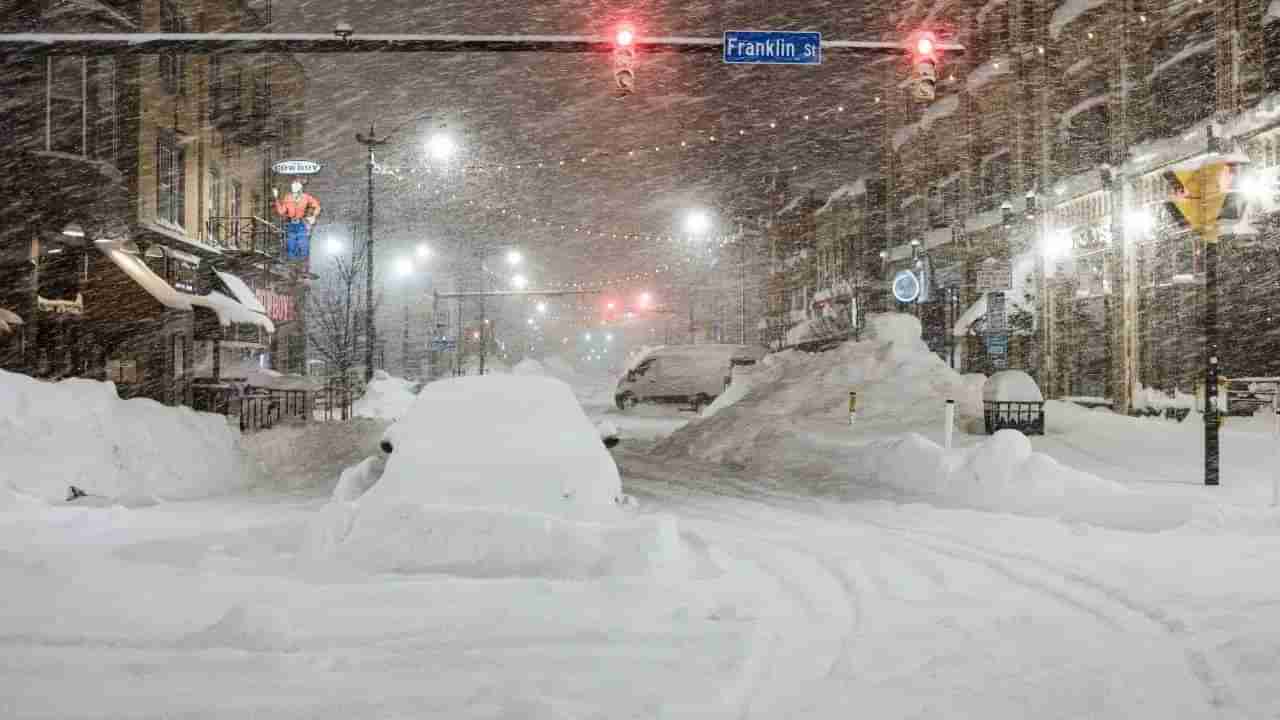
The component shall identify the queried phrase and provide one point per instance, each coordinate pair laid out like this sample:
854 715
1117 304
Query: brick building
139 245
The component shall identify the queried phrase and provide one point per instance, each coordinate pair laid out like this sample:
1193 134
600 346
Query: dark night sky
507 108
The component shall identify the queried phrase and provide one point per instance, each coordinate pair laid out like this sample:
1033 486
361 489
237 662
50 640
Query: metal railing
248 235
261 409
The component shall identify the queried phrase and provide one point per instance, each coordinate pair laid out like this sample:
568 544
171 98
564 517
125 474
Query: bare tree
336 309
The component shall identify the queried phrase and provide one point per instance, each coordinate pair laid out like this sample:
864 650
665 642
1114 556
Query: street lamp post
370 141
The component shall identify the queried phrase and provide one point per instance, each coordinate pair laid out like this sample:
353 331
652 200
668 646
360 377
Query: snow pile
79 432
793 399
1145 397
528 366
1011 386
386 397
493 476
1004 474
312 455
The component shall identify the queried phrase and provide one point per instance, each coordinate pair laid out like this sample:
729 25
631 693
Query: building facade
1049 147
140 245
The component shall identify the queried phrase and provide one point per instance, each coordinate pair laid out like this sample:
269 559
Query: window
122 370
106 111
66 110
172 65
217 194
995 180
170 179
181 274
179 356
237 195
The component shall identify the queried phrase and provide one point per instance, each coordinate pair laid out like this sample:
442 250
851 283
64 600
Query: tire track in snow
1215 688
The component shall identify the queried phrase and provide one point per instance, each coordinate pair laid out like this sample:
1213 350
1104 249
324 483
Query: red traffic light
611 305
925 44
625 36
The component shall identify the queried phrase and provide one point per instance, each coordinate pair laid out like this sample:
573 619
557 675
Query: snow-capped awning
969 317
135 268
229 311
75 10
241 292
9 320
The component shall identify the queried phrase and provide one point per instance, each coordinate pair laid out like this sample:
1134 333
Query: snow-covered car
693 374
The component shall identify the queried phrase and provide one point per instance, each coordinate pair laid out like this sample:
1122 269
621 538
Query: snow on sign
770 47
995 275
296 167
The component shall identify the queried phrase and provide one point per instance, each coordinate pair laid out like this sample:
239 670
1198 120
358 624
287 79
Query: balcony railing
245 236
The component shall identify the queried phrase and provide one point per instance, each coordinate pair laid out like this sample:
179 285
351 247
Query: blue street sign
444 345
770 47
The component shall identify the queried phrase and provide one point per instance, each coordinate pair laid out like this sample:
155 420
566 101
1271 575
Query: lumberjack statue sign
298 210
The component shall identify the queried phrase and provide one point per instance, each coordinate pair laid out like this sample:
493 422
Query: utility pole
1212 453
742 284
371 141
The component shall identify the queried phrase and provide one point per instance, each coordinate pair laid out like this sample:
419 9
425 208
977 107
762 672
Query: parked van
693 374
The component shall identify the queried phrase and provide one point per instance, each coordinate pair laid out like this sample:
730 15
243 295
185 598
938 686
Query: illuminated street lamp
514 257
519 282
423 251
441 147
542 308
698 222
334 246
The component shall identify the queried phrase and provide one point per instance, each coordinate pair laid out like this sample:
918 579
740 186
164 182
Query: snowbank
313 455
492 476
79 432
528 366
386 397
1011 386
793 397
1004 474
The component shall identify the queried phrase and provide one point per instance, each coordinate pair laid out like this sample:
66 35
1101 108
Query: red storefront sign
279 307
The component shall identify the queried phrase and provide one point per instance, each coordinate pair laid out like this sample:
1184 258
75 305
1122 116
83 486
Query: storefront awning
240 291
229 311
156 287
9 320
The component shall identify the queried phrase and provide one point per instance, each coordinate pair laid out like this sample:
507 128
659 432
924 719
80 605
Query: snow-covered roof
857 187
1080 64
8 320
1068 11
81 8
1082 106
938 110
229 311
241 291
1183 54
988 70
135 268
792 205
970 316
1273 11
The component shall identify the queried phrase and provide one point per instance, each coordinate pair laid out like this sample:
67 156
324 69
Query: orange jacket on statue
291 208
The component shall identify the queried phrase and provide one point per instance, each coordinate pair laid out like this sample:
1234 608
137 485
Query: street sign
995 275
906 286
444 345
296 167
770 47
997 316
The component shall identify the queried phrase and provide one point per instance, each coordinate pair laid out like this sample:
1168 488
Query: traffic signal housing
624 60
925 58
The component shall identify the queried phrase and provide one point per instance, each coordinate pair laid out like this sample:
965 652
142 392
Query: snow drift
789 418
79 432
900 386
386 397
492 476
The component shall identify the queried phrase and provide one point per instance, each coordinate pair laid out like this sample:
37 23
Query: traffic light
624 60
1006 214
924 66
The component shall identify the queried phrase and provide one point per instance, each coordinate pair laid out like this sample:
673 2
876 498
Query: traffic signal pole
348 41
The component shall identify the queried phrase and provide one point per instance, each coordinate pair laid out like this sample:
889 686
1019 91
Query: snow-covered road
799 604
